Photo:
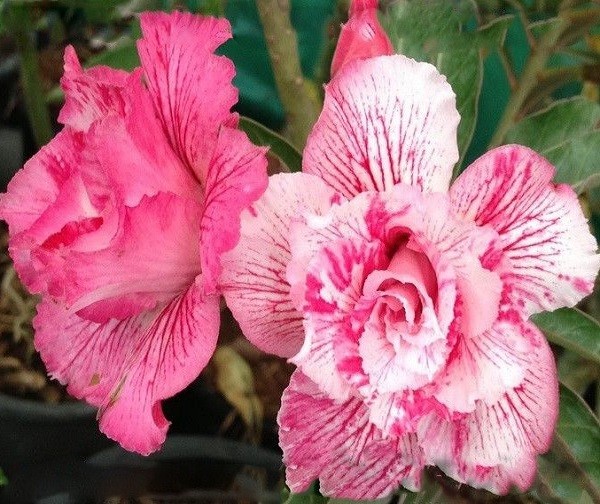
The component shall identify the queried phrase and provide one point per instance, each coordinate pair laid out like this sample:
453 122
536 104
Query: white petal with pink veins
254 273
549 258
495 446
335 443
385 120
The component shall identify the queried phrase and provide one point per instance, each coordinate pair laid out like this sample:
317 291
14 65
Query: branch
529 79
300 101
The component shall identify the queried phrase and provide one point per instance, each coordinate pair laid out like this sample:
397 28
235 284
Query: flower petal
129 270
385 120
91 94
254 273
335 442
127 367
190 85
236 178
484 367
549 254
495 446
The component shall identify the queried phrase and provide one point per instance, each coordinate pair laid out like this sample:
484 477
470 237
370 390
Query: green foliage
435 31
567 134
3 479
278 146
570 472
572 329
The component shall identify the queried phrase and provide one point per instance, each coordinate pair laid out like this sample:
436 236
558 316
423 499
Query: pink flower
120 221
404 303
361 37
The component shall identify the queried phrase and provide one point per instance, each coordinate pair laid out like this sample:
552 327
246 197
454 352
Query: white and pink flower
120 221
404 302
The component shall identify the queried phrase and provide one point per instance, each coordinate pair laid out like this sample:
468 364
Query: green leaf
311 496
279 146
3 479
571 470
122 54
576 162
572 329
431 30
565 133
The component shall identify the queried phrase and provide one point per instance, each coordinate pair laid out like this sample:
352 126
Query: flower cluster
403 300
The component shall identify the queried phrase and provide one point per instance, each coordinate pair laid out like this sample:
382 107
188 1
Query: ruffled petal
130 270
549 256
237 177
191 87
495 447
254 273
335 443
485 367
361 37
91 94
385 120
127 367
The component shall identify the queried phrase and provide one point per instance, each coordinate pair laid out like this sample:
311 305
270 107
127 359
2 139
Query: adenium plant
402 298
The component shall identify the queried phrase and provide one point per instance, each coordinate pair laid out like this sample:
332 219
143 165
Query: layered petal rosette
120 221
403 302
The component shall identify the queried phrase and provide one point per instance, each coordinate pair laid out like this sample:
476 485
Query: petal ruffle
335 443
236 178
385 120
495 447
191 87
550 256
254 273
127 367
91 94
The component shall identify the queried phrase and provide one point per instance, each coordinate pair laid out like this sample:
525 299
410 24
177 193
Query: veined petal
335 442
91 94
126 367
385 120
550 256
495 447
485 367
254 273
191 87
236 178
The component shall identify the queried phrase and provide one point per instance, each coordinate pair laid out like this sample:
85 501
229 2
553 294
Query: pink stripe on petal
335 442
495 447
549 254
236 178
127 367
191 87
385 120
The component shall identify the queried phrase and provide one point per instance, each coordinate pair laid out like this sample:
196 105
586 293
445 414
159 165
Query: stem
33 91
299 99
529 79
